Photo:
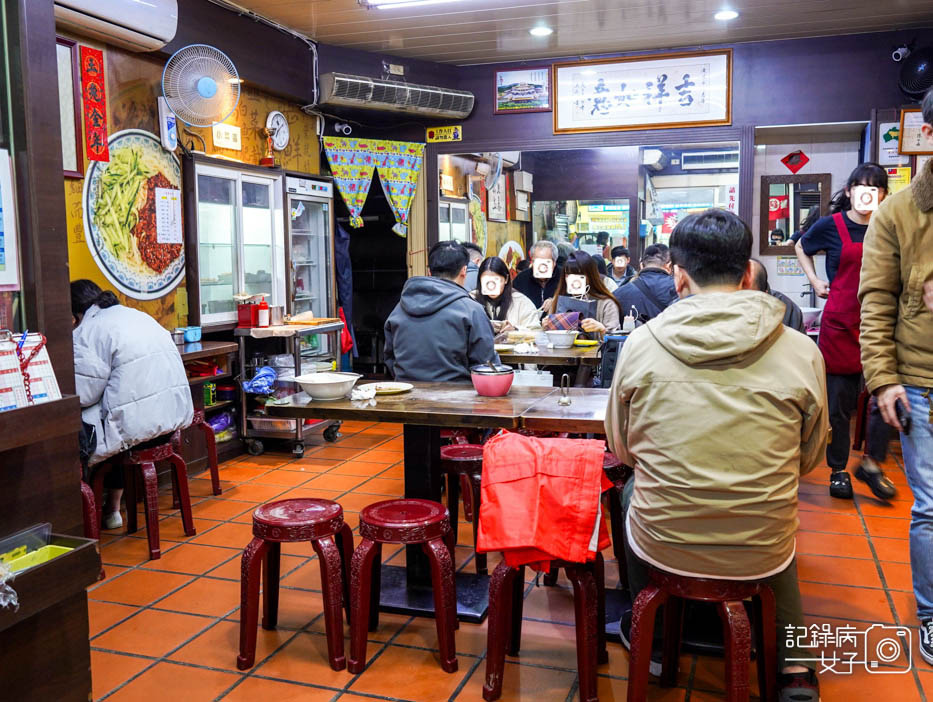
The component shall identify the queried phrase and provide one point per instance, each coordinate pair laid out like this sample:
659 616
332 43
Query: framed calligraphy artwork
660 91
69 106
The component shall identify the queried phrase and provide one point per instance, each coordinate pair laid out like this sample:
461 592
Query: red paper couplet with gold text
94 96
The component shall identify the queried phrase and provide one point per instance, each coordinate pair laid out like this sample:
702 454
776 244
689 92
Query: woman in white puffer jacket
129 377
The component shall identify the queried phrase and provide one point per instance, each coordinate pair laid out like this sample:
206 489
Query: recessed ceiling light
726 15
541 31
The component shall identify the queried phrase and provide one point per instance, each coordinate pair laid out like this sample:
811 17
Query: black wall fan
916 77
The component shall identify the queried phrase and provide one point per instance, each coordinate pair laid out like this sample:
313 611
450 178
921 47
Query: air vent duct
394 96
709 160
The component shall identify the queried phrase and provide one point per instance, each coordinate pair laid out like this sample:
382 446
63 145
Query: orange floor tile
168 629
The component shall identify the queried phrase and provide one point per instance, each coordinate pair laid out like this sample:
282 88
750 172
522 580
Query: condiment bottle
263 314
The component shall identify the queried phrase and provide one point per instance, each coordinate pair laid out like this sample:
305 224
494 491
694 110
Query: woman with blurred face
506 308
580 278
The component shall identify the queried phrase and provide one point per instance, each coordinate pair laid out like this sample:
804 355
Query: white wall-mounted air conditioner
655 159
709 160
131 24
394 96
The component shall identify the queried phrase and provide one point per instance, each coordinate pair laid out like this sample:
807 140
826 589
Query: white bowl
327 386
561 339
811 316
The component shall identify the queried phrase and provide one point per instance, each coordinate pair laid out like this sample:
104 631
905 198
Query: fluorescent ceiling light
392 4
726 15
541 31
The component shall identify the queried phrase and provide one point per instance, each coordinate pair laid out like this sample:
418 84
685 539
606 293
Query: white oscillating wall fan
201 85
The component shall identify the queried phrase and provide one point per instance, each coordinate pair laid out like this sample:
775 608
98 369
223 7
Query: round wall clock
276 121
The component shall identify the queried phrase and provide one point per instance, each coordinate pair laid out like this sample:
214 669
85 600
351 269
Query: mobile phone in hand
903 416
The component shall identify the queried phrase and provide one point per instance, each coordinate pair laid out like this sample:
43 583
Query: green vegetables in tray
115 209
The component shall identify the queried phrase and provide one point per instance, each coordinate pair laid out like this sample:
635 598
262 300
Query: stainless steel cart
300 431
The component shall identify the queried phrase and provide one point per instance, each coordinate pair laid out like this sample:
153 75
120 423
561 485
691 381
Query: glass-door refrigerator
310 241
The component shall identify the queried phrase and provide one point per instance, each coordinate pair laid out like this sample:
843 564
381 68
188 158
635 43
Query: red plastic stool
463 466
91 522
211 442
618 474
402 521
506 587
671 591
145 456
285 521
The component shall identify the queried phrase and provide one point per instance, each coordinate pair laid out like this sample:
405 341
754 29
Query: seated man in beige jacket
720 409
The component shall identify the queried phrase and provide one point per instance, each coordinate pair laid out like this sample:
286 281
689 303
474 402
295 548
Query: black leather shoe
840 485
880 485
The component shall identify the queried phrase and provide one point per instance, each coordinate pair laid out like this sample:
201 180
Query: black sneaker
625 633
870 473
926 640
798 687
840 485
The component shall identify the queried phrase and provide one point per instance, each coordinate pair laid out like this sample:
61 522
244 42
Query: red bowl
492 384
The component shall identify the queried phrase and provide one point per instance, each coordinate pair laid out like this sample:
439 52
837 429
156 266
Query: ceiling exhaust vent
394 96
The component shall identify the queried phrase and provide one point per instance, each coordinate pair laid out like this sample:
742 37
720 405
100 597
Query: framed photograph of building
69 105
659 91
523 90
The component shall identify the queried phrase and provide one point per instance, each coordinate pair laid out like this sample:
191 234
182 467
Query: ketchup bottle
263 313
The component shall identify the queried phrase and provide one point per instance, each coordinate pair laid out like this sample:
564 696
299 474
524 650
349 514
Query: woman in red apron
840 236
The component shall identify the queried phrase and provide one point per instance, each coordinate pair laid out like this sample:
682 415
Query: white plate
389 388
140 285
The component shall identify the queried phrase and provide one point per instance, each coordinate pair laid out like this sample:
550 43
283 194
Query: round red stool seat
462 453
617 472
405 521
300 519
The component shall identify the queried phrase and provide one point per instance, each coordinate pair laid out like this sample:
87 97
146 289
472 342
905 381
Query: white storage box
533 377
269 424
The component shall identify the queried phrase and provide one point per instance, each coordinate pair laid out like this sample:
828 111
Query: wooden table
574 356
423 411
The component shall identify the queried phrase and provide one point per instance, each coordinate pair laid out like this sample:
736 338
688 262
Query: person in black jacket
793 317
652 290
621 272
539 282
437 331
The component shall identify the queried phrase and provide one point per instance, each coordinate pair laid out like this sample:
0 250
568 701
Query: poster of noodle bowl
120 215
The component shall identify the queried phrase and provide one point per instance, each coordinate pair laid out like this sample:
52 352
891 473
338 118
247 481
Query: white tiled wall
836 158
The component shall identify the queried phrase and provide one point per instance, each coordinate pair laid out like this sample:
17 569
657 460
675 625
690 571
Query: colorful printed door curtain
352 163
398 172
95 104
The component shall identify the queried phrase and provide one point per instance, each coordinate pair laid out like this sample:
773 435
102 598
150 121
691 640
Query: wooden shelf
205 349
39 423
208 378
218 405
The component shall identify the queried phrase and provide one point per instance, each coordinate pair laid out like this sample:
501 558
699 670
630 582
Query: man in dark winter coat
437 331
652 291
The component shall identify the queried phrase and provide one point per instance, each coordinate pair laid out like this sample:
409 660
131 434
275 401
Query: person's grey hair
564 249
544 244
928 107
474 251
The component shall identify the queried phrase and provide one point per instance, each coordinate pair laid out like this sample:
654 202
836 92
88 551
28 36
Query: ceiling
487 31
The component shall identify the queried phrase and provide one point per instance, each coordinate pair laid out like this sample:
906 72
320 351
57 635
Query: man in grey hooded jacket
437 331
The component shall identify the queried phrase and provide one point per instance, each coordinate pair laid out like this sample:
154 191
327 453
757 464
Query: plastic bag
8 597
262 383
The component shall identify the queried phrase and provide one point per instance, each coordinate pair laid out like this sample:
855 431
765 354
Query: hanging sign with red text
94 96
